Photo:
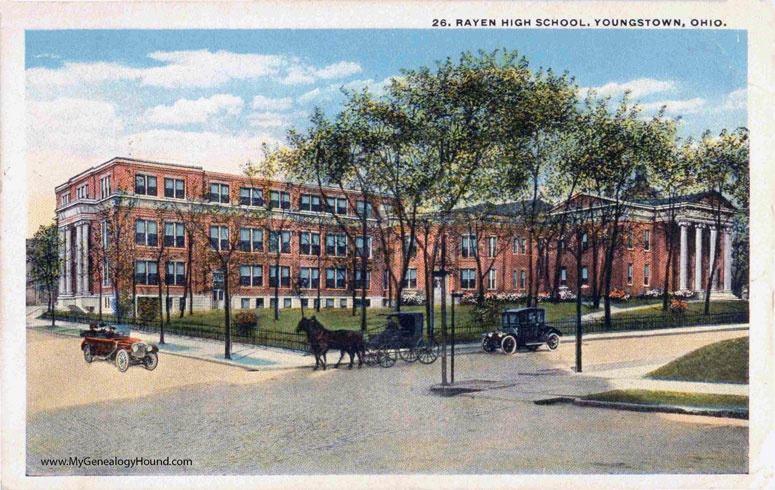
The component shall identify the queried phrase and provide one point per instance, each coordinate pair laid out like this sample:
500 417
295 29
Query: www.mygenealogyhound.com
77 462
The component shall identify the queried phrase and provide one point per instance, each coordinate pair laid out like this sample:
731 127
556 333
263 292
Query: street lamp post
443 275
457 295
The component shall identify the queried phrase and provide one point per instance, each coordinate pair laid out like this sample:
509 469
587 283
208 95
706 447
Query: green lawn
649 397
695 307
725 361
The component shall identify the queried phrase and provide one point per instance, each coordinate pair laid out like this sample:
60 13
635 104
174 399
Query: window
259 302
286 302
175 188
358 302
629 239
251 240
584 276
629 274
514 280
359 246
145 185
309 243
250 196
522 279
385 279
467 278
105 189
336 245
82 192
245 303
272 303
65 198
251 275
359 283
219 193
176 274
410 245
468 246
563 276
336 205
304 302
329 302
492 283
174 236
146 233
646 275
309 278
336 278
219 237
492 246
280 241
146 272
105 273
410 279
217 280
515 247
278 199
308 202
285 277
647 240
363 209
584 241
105 234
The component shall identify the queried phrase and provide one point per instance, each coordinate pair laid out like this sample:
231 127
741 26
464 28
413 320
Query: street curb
642 407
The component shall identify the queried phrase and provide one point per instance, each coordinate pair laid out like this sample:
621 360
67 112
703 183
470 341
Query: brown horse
322 339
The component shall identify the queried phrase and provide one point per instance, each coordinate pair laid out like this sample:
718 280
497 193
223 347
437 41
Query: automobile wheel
509 344
122 360
488 344
87 355
150 361
553 341
409 354
428 351
386 357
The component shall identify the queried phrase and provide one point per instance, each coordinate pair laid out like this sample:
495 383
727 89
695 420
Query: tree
43 257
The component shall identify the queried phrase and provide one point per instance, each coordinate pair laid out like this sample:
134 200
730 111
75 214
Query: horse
322 339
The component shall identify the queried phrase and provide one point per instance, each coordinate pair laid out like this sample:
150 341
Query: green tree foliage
44 264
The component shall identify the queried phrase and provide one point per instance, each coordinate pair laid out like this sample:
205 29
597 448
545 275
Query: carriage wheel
122 360
509 344
370 357
410 353
386 357
428 351
150 361
87 355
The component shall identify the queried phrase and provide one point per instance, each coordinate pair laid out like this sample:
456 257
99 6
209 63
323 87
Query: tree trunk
529 270
713 262
578 302
609 272
161 307
167 304
595 274
666 292
277 288
227 308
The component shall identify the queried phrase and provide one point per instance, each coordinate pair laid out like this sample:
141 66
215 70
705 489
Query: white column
713 232
684 257
727 260
698 257
78 259
85 258
68 261
62 263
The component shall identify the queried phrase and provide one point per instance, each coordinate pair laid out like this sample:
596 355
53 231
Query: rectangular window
272 303
467 278
629 239
174 235
146 272
468 246
342 303
359 246
411 246
514 280
336 245
259 302
363 209
251 275
584 241
359 282
309 278
647 240
279 199
286 302
304 302
65 198
515 247
329 302
522 279
219 193
336 278
146 233
563 276
336 205
82 192
629 274
105 188
309 243
410 279
250 196
646 275
523 245
251 240
492 246
175 274
385 279
309 202
219 237
584 276
491 279
174 188
280 241
358 302
245 303
145 185
285 276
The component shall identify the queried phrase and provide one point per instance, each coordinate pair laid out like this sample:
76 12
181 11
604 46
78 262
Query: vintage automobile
113 343
522 327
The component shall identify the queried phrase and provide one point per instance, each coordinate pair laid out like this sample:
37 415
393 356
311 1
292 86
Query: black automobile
522 328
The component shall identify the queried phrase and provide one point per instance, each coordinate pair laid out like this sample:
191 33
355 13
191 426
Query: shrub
651 293
413 299
148 309
677 306
683 294
619 296
246 317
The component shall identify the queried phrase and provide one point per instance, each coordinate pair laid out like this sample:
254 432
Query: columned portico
78 260
68 261
698 257
62 261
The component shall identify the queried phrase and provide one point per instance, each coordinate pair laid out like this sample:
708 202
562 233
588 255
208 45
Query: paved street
369 420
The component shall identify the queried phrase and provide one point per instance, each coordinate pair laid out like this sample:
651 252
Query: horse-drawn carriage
113 344
403 337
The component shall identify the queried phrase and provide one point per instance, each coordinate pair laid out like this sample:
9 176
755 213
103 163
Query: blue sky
212 97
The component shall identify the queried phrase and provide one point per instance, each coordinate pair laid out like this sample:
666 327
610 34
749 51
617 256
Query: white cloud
376 88
198 111
269 119
71 123
690 106
268 104
201 68
735 100
307 97
637 88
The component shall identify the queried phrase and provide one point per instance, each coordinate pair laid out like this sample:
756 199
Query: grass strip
725 362
649 397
